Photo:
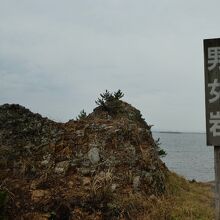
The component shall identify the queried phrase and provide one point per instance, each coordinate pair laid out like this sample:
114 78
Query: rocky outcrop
82 169
20 127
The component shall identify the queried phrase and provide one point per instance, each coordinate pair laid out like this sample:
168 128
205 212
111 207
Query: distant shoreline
178 132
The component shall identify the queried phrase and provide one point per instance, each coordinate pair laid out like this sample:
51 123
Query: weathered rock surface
81 169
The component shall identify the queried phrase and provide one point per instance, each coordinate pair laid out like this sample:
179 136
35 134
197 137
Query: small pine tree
119 94
161 152
109 97
82 115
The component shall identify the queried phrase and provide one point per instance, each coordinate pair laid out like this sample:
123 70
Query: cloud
56 57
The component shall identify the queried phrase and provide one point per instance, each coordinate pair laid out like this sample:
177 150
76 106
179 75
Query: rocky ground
90 168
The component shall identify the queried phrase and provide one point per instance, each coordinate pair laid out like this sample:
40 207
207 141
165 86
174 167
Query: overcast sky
56 57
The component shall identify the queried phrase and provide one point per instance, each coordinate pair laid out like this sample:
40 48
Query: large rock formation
83 169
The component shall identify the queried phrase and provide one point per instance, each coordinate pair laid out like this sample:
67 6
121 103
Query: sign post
212 97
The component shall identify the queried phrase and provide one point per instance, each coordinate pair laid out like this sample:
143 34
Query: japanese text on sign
213 61
212 83
213 57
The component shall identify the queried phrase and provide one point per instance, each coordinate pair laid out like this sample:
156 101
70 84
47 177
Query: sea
187 154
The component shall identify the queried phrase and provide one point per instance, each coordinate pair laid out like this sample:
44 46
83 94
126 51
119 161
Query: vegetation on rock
110 102
105 166
82 115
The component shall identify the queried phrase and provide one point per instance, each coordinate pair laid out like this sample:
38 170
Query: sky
56 57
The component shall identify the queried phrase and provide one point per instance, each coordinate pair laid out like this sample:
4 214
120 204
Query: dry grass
101 185
182 201
102 180
192 200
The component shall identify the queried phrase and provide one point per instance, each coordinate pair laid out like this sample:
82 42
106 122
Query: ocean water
188 155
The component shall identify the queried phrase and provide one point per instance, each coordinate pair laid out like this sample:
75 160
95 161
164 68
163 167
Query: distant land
179 132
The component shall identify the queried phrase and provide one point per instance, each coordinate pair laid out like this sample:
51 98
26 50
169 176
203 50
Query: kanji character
213 57
214 91
215 120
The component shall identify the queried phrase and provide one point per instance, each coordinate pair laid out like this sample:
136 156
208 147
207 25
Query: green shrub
110 102
161 152
82 115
